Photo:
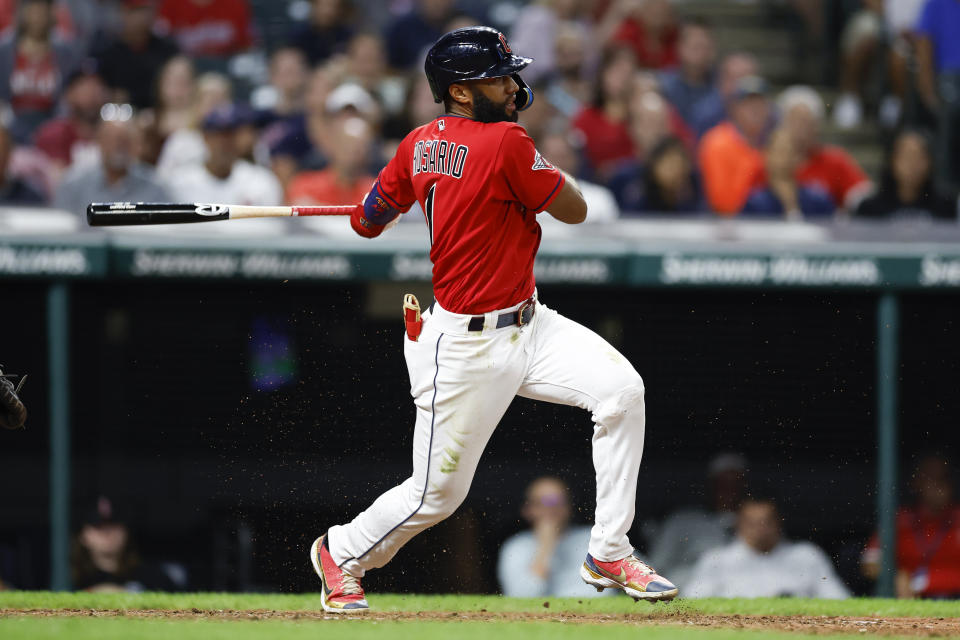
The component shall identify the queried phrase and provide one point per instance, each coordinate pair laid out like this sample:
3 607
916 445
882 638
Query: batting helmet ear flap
524 94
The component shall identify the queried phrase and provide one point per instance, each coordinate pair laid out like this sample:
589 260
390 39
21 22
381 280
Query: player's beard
486 110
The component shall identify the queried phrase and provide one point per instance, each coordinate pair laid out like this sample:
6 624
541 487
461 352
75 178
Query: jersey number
428 209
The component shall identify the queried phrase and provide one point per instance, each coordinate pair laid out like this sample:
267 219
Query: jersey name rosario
439 156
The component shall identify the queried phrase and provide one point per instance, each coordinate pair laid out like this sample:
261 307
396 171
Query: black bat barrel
113 214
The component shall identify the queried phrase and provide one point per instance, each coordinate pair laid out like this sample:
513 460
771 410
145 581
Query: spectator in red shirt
604 124
65 139
207 28
825 166
928 536
346 180
648 27
33 65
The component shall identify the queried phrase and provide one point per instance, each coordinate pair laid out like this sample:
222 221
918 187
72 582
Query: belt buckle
526 305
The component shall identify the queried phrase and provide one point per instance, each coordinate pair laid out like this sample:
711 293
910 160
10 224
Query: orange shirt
833 170
730 167
322 187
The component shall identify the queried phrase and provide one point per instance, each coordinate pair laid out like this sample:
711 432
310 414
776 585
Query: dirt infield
919 627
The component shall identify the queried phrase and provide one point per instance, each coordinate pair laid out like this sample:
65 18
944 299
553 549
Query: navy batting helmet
472 53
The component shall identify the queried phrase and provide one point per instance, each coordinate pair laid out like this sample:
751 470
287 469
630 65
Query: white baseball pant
462 383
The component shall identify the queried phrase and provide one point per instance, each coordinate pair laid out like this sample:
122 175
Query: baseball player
487 338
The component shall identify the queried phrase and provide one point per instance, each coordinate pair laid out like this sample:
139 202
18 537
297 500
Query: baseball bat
112 214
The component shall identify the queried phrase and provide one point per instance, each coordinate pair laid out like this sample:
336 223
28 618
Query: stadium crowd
300 102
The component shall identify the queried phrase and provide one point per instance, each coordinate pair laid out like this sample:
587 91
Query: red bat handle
327 210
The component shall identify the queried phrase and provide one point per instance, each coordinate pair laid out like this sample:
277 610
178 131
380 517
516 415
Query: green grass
657 626
494 604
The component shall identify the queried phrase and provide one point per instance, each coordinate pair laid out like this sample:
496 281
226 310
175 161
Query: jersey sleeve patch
539 163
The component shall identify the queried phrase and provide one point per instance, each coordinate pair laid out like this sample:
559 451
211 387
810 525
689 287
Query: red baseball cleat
341 592
637 579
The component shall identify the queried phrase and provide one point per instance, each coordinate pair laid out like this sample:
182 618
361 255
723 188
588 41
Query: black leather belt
520 317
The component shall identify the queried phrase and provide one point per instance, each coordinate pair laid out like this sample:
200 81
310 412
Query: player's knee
627 403
442 500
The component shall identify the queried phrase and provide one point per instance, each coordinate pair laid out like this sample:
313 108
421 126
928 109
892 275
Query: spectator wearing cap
550 551
691 88
117 177
224 177
325 33
346 180
308 142
103 557
69 139
707 114
207 28
184 146
783 195
131 60
823 166
760 563
14 190
409 35
33 66
688 533
730 157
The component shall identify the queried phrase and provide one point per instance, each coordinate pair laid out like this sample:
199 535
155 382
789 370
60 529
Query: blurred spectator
419 108
568 88
537 29
647 27
176 96
880 26
551 551
302 142
783 194
928 536
207 28
14 190
604 123
601 205
346 180
691 88
223 177
938 80
284 95
710 113
131 61
104 558
829 167
185 147
33 65
688 533
760 563
730 156
366 65
666 183
907 190
652 118
409 35
326 32
859 45
118 177
69 139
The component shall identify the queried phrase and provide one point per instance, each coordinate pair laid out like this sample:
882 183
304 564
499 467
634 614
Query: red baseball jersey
480 186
